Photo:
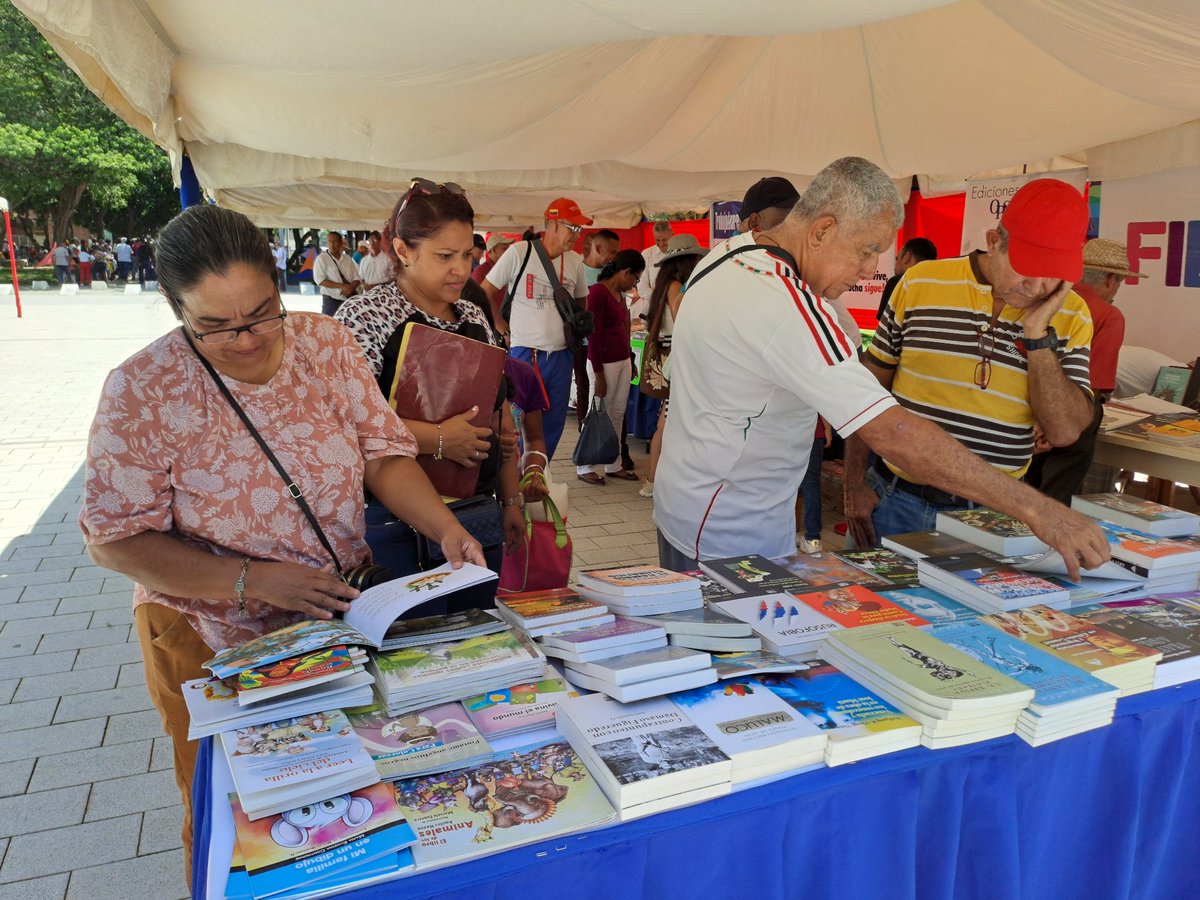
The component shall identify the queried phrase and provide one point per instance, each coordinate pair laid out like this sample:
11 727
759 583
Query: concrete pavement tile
143 725
45 624
48 552
31 540
163 756
131 794
64 849
66 537
55 528
108 655
42 811
87 766
161 829
51 739
10 611
37 664
77 640
7 689
76 707
60 589
117 584
61 684
605 541
27 578
10 595
18 566
121 615
14 776
90 572
18 646
159 875
133 673
51 887
92 603
34 714
66 563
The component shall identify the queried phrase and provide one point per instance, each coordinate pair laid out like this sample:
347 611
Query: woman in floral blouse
181 498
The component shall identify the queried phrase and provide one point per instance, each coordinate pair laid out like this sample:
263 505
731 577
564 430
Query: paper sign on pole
987 200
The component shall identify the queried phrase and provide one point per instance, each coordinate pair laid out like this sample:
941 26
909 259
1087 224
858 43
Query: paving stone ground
88 806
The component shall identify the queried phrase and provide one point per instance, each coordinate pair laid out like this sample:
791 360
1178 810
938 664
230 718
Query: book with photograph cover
886 565
991 530
752 575
1134 512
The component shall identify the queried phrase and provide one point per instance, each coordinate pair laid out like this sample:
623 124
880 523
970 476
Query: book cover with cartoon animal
347 837
427 740
852 606
284 643
323 664
517 797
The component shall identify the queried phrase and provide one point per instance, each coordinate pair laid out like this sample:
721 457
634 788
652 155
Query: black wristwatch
1047 342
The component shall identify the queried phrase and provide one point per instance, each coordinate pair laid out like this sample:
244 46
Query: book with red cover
852 605
439 375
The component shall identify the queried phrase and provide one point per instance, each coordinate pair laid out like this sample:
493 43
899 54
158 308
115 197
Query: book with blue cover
1055 682
931 605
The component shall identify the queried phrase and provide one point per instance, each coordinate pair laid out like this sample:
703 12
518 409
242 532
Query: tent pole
189 187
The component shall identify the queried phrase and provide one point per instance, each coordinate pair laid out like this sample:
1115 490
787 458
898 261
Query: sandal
591 478
625 475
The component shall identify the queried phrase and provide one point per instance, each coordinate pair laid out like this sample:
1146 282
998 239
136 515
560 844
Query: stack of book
517 797
640 590
1167 564
602 641
1096 650
429 674
985 584
301 673
1181 429
920 544
761 734
418 743
520 708
852 606
1066 700
705 629
296 762
785 625
754 662
436 629
858 723
647 673
886 565
1171 629
932 606
539 613
991 530
712 590
957 699
647 757
753 576
819 569
320 847
1134 512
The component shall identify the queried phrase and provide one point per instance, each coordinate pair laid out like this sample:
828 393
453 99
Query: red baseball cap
1047 222
566 210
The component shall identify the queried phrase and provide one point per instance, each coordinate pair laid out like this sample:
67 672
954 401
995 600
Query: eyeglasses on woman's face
229 335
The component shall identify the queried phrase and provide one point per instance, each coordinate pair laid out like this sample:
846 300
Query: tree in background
64 156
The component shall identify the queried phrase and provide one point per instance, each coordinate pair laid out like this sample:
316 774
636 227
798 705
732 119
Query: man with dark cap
767 203
988 346
1059 471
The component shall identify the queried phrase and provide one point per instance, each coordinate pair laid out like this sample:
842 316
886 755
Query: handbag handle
292 487
550 508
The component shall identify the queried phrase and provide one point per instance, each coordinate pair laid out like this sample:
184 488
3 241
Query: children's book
517 797
534 609
427 740
377 608
852 605
520 708
886 565
436 629
284 643
297 673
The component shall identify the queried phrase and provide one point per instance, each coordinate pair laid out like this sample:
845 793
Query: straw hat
682 245
1108 256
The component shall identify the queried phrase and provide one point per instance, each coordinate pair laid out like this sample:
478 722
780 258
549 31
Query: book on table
551 611
716 644
991 530
1178 384
638 582
751 575
1117 416
1094 649
858 723
646 756
298 673
761 734
712 590
213 706
294 762
645 665
852 605
984 583
932 606
707 620
1144 622
533 793
784 624
642 690
1134 512
324 846
518 708
820 568
440 375
1175 428
1154 554
420 742
895 569
754 662
598 641
920 544
435 629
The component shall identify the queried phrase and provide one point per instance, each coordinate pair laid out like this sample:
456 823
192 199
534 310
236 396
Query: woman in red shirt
608 350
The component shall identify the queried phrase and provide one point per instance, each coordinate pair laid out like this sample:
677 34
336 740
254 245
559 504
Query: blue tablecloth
641 414
1112 813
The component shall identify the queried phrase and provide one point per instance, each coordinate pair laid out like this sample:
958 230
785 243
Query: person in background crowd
428 235
85 266
145 261
124 254
280 254
599 248
360 250
62 263
974 345
1137 370
536 334
178 497
335 273
766 204
608 351
758 355
915 250
653 256
683 253
479 250
1059 472
376 267
495 246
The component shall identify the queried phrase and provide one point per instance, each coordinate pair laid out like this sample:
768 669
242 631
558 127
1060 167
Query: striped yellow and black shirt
930 334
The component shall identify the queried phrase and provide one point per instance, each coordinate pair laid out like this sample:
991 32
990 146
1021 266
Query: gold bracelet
240 585
438 455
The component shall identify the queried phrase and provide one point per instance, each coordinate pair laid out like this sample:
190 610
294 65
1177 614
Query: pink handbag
543 560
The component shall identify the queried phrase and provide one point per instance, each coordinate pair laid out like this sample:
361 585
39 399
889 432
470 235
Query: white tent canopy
300 112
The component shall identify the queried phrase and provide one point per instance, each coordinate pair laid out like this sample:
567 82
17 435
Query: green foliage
63 152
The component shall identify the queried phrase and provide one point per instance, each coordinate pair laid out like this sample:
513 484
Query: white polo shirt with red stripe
755 356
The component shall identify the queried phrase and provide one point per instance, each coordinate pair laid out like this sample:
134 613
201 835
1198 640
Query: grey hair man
653 256
759 355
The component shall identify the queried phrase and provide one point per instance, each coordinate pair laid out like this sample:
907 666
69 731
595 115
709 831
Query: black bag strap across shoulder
292 487
561 298
774 251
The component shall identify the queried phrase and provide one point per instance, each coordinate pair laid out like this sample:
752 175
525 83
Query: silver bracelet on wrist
240 585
